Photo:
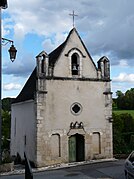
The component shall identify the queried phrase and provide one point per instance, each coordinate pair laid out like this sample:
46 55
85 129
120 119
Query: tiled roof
28 90
53 56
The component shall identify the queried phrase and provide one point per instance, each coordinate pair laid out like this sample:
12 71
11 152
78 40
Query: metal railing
28 169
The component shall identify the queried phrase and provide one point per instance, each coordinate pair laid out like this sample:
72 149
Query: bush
123 132
6 158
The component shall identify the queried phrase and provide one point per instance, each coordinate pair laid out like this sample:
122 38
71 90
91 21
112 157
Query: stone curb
57 166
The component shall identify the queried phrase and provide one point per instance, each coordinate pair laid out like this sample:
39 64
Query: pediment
73 46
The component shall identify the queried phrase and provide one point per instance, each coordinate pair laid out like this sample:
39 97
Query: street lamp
12 52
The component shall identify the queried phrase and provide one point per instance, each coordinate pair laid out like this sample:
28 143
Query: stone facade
73 106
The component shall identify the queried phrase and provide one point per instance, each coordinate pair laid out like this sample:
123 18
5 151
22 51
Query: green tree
114 103
125 101
6 123
118 141
120 99
6 104
119 93
123 130
129 99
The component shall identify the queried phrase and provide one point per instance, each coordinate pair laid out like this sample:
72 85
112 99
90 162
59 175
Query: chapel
64 111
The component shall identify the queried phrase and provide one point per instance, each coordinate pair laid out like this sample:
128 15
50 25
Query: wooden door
76 148
80 148
72 148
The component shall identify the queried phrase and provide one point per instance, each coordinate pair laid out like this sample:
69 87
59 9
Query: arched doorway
76 148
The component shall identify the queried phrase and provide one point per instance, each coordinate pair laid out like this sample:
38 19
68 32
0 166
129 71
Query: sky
106 27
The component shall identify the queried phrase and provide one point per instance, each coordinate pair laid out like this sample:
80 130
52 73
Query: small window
43 65
25 140
76 108
106 69
75 64
15 127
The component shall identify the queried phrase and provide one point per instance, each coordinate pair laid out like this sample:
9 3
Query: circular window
76 108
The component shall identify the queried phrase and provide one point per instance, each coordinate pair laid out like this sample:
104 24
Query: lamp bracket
6 41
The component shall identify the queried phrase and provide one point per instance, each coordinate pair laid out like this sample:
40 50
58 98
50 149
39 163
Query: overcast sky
106 27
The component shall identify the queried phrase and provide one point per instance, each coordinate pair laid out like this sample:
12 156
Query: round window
76 108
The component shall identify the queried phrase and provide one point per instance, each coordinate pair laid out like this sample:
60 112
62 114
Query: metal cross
73 15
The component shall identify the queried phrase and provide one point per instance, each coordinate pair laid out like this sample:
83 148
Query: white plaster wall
57 117
62 94
24 115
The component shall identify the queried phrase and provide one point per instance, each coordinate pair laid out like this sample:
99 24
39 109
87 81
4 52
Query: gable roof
29 89
53 56
74 29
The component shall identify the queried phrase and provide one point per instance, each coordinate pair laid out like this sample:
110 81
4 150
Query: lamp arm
6 41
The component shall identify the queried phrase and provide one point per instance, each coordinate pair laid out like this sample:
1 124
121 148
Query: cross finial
73 15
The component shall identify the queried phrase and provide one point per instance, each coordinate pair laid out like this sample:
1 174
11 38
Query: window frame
80 57
75 63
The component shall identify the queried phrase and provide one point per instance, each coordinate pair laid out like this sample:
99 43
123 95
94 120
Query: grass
124 111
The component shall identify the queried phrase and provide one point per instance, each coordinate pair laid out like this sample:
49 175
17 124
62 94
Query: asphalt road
105 170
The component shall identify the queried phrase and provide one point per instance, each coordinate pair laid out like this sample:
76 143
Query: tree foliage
6 122
125 100
123 132
6 104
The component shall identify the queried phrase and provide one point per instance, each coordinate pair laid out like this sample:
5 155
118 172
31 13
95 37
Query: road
105 170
